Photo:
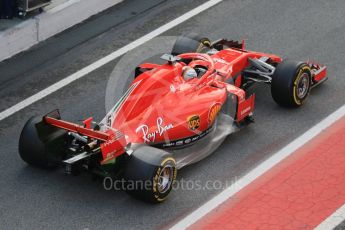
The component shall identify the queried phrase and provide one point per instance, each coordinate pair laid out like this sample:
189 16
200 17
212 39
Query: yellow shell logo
193 122
213 113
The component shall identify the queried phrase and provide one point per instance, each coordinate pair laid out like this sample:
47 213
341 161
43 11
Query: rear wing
69 126
112 142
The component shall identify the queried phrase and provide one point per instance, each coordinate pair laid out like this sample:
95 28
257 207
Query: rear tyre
42 151
191 43
150 174
291 83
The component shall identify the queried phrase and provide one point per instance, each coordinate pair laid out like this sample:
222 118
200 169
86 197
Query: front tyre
150 174
190 43
291 83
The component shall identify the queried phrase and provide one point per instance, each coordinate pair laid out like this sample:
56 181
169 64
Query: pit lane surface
36 199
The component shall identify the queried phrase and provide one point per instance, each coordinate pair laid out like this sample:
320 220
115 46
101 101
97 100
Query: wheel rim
303 86
165 178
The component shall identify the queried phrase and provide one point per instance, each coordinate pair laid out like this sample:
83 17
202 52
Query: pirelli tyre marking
164 178
301 85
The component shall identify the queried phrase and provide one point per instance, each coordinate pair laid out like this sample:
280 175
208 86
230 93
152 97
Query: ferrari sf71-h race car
167 107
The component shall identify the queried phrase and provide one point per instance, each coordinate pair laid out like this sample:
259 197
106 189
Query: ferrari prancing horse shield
213 113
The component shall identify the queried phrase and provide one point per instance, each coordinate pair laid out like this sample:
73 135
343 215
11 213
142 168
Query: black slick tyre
190 43
41 151
291 83
150 174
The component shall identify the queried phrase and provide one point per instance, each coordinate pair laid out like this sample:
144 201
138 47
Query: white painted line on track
259 170
88 69
333 220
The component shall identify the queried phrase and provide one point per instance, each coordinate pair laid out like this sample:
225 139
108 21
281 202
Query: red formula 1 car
167 107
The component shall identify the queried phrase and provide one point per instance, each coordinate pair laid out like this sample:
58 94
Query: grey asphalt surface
341 226
31 198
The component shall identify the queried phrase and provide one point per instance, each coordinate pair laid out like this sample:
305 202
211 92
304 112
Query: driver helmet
189 73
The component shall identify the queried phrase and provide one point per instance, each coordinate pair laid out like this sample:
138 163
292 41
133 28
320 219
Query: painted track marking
333 220
101 62
259 170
